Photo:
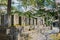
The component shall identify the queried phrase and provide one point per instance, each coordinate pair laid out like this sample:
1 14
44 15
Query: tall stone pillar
4 21
9 21
43 21
23 20
27 21
34 21
16 19
38 21
18 36
0 19
31 21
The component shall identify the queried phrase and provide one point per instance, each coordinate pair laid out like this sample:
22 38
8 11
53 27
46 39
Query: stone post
34 21
9 21
23 20
38 21
18 36
31 21
27 22
16 19
0 19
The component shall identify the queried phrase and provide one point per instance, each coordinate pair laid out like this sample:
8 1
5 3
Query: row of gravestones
15 19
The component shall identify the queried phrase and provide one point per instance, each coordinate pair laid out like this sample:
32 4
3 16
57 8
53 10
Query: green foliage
47 15
40 12
28 14
3 2
26 3
40 3
50 2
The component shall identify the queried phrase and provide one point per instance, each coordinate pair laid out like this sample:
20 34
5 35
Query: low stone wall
27 32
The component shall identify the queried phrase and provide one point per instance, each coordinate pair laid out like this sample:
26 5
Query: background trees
41 8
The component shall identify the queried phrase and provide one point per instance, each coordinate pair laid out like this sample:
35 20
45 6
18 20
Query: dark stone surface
3 36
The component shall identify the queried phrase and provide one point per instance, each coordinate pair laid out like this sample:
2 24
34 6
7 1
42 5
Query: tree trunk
8 11
8 15
9 7
0 20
